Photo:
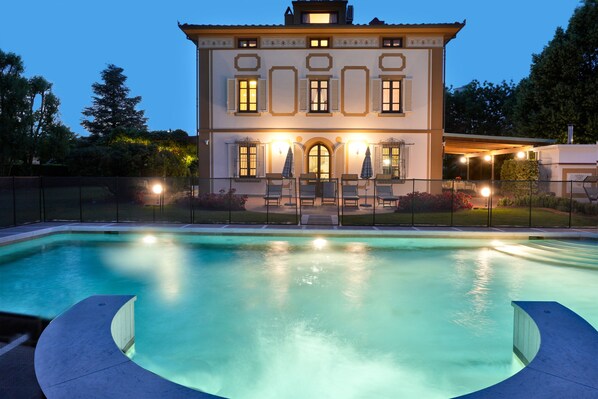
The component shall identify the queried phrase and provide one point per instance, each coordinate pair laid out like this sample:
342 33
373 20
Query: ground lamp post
486 192
157 189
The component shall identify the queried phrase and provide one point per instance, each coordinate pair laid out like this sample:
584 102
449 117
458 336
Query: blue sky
69 42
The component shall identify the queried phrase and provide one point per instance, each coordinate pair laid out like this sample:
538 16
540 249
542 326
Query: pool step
562 253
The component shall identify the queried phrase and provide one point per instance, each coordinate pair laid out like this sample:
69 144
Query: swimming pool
296 317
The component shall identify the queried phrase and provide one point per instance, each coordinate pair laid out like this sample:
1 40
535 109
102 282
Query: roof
459 143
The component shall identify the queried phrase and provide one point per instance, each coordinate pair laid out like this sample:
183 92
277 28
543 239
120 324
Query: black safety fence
306 200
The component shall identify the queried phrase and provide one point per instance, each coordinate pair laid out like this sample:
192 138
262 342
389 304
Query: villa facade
324 87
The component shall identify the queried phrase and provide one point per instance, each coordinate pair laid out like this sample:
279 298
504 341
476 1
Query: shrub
223 201
426 202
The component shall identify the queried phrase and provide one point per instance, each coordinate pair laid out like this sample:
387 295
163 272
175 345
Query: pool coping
26 232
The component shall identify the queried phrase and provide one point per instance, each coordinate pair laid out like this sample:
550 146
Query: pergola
487 147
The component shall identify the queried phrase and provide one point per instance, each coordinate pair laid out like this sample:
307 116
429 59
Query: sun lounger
385 196
273 193
329 192
307 193
591 188
350 196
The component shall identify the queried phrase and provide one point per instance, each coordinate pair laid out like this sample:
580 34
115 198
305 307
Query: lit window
247 43
391 161
392 42
319 43
391 96
247 160
320 18
248 95
318 95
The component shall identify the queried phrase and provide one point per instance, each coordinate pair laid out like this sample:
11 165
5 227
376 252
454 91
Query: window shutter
377 160
334 86
233 160
261 160
303 98
261 95
231 95
404 154
407 94
376 95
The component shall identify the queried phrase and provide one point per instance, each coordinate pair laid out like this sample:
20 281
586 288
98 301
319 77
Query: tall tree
13 111
480 108
111 106
562 87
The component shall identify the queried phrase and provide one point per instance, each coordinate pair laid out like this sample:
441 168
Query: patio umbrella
288 173
367 172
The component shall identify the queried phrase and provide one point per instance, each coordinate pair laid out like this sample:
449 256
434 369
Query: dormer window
320 18
247 43
319 42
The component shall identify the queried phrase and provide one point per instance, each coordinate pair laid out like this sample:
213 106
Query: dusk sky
69 42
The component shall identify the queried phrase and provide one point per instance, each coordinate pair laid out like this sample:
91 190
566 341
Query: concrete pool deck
25 232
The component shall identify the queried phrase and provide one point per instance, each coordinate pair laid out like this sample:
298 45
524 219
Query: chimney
288 17
349 15
569 134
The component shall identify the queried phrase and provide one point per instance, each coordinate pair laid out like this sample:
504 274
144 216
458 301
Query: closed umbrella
367 173
287 173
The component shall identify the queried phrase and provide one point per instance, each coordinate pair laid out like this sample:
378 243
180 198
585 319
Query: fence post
452 200
14 202
191 199
571 201
230 199
80 200
412 203
41 200
116 197
530 202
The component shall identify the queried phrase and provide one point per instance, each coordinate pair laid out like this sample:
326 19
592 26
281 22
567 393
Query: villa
324 87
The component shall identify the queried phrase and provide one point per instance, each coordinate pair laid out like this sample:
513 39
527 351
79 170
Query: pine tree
112 108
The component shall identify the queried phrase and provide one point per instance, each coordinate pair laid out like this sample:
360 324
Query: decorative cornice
415 41
318 55
351 41
241 68
216 42
400 64
283 42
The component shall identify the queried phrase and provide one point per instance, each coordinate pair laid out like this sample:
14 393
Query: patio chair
350 195
307 193
385 196
329 191
273 193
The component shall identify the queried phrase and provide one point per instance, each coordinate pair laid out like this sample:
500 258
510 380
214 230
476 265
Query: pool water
297 317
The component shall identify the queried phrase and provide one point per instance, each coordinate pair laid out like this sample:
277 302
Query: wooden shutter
404 160
233 160
262 95
231 95
376 95
407 94
303 97
377 160
334 95
261 160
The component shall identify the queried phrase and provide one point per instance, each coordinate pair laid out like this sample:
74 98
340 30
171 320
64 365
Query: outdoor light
488 158
463 160
149 239
319 243
486 192
386 162
157 189
520 155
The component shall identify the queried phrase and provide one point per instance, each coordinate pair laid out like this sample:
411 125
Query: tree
13 111
476 108
562 87
111 107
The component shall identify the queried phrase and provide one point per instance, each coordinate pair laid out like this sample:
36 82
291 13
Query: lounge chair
329 192
385 196
273 193
307 193
350 196
590 187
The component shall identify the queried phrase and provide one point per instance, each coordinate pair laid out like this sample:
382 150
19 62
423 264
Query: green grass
515 217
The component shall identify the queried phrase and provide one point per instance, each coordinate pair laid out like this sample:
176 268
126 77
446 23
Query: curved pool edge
561 349
79 355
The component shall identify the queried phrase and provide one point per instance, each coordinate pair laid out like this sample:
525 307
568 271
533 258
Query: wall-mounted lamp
520 155
207 141
463 160
488 158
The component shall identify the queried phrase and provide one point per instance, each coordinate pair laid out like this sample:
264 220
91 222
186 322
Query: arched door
318 161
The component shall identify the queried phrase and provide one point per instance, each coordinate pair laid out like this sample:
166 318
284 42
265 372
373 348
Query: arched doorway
318 161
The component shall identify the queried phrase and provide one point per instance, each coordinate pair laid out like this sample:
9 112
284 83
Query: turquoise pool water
297 317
